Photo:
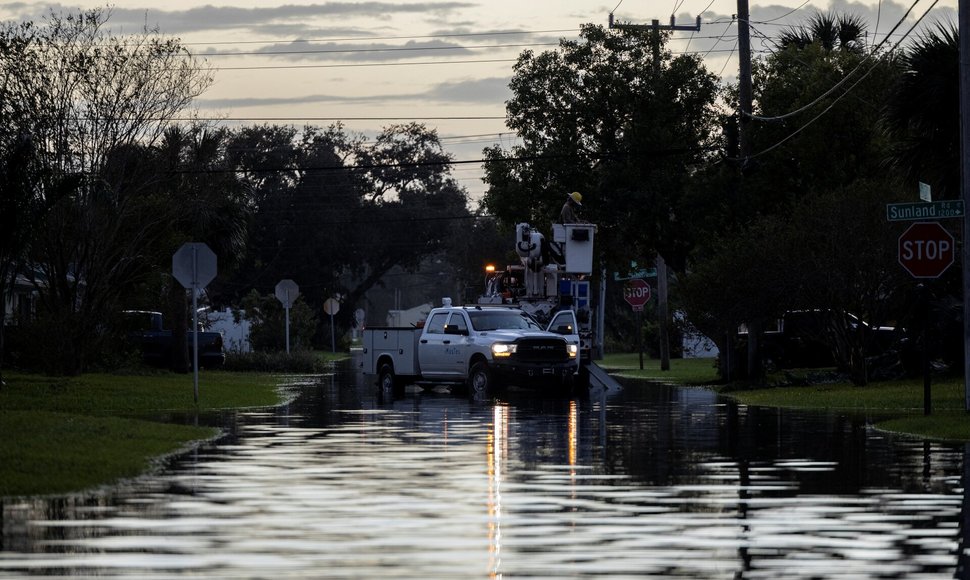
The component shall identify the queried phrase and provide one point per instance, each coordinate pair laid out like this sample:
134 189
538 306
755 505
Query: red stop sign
926 249
636 292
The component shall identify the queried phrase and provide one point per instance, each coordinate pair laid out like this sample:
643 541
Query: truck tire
480 381
388 384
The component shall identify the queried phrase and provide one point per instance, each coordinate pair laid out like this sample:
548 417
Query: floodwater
644 481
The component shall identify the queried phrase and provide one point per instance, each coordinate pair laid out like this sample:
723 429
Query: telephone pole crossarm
655 25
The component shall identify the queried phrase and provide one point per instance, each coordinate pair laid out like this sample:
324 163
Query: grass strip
61 435
105 394
902 400
683 371
52 453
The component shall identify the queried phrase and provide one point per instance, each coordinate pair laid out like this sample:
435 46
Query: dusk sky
445 63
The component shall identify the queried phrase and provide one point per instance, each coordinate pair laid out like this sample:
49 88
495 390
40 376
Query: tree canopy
600 116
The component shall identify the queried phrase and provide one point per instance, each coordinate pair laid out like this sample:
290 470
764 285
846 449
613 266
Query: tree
203 201
22 202
923 112
800 231
341 212
830 31
595 117
87 95
268 319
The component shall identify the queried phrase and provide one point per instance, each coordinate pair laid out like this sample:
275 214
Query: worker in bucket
574 202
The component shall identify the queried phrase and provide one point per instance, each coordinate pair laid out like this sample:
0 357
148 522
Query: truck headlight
501 349
573 350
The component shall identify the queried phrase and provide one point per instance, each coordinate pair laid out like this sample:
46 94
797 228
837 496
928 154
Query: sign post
194 265
636 292
926 250
286 292
332 307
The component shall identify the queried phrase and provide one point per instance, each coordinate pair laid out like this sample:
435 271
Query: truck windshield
485 320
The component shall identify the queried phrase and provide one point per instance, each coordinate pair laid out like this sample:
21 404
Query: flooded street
644 481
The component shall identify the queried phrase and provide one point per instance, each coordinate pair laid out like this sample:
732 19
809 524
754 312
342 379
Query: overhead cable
848 75
847 91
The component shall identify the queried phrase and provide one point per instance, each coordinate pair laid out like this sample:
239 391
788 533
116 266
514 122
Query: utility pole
964 20
662 313
744 145
744 81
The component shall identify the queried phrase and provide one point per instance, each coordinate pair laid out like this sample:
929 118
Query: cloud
487 90
357 52
228 17
490 91
263 19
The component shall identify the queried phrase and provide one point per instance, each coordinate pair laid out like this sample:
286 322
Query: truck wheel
480 381
389 385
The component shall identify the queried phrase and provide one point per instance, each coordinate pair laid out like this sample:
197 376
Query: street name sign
926 249
897 212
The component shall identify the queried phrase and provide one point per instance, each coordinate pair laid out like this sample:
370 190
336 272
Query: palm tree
923 113
844 32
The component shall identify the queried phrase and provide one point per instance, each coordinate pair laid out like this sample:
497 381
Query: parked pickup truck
145 331
808 339
475 347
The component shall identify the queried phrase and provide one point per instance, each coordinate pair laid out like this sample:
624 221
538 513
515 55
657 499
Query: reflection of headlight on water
573 427
497 450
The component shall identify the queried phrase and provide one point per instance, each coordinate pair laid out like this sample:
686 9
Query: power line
353 65
720 38
365 167
285 119
408 63
370 50
372 38
787 14
849 74
848 90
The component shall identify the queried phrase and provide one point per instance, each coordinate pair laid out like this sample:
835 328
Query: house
20 303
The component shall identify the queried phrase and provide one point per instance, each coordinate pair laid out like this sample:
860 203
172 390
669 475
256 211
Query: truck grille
541 350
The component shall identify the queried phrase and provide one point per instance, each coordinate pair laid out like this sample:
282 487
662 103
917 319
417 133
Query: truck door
564 323
456 353
432 346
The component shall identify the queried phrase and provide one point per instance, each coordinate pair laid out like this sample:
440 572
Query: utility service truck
501 339
552 276
477 348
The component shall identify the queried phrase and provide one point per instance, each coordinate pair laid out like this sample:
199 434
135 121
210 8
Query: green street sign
636 274
899 212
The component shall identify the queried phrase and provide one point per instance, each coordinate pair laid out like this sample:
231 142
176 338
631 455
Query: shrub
307 362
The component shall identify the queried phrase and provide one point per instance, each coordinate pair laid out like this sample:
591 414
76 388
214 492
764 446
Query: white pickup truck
478 347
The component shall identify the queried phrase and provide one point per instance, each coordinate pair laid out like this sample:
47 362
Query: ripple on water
442 489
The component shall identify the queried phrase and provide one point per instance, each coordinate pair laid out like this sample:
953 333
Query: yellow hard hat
577 197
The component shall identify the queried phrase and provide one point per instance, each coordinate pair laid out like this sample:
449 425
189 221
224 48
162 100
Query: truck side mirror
455 329
564 329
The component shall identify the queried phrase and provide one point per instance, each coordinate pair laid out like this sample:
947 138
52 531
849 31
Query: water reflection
643 482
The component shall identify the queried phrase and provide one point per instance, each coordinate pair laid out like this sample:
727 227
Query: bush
306 362
267 319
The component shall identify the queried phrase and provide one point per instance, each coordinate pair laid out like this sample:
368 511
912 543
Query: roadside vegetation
61 435
683 371
900 400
